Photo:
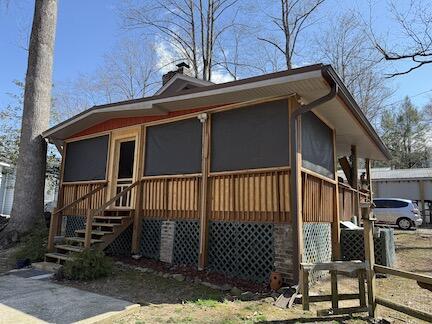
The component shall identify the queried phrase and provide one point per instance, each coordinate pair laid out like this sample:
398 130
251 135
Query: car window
389 203
379 203
397 204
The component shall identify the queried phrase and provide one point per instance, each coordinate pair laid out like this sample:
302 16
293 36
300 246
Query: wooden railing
74 191
318 198
347 201
422 280
260 195
171 197
93 212
87 199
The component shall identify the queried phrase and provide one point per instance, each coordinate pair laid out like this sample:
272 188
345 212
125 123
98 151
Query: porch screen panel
174 148
86 159
250 138
317 145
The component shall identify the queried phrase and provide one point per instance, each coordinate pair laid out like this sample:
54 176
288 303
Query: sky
87 29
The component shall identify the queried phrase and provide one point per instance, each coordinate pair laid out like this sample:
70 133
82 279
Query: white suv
394 211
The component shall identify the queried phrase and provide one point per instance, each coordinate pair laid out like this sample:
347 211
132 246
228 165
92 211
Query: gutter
331 77
297 222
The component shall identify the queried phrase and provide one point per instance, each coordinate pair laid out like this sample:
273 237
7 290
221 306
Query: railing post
88 229
368 224
203 211
136 233
53 230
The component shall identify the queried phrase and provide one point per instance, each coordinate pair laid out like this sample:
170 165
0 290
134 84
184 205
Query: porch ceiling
309 83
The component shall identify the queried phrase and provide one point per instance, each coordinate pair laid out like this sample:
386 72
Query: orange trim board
116 123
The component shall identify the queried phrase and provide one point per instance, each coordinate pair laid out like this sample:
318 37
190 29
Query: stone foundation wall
283 250
167 241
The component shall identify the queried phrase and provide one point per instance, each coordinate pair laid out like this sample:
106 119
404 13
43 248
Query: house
7 188
238 177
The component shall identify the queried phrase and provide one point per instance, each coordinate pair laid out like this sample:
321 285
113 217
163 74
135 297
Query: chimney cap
183 64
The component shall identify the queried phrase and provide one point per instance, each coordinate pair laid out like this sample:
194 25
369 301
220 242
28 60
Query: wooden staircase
105 228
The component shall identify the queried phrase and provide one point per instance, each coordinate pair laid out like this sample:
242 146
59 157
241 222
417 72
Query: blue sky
88 29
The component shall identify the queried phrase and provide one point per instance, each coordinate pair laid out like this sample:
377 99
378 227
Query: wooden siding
73 191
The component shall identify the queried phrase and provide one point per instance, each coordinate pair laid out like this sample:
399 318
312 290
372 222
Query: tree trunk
30 171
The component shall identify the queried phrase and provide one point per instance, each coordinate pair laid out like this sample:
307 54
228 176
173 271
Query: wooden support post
334 290
369 178
354 183
88 229
305 288
136 228
422 200
53 230
362 288
335 226
295 193
203 211
60 194
368 224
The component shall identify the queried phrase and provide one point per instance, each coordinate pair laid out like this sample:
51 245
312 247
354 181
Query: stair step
106 224
110 217
71 248
59 256
81 240
95 232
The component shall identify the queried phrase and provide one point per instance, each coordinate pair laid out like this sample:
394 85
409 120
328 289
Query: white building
7 186
413 184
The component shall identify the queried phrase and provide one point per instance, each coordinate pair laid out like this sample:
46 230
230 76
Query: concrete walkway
25 300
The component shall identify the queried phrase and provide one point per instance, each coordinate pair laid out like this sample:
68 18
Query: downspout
294 181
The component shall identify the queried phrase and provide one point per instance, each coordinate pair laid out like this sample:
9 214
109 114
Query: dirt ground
165 300
413 253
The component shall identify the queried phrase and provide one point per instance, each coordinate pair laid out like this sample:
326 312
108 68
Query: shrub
88 265
34 244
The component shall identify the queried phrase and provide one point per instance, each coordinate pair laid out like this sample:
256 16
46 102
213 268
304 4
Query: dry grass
414 253
170 301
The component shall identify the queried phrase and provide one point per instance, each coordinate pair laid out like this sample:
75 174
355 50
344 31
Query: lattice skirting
150 238
73 223
186 242
352 246
240 249
317 245
122 244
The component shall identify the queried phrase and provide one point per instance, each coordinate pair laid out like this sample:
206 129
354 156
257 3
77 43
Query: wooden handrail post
136 233
203 211
368 224
88 229
53 230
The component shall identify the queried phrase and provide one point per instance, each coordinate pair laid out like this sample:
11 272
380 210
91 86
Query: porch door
124 170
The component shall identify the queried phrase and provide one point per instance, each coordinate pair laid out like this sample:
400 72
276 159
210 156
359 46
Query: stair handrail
92 212
55 214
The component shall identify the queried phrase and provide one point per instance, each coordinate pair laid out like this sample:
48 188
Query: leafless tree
30 175
291 18
346 46
129 71
191 27
415 26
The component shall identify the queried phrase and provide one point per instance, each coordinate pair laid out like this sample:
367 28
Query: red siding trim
130 121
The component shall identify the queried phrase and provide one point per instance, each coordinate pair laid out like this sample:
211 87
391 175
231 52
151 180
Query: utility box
352 245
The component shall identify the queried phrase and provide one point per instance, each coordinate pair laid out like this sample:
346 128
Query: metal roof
388 174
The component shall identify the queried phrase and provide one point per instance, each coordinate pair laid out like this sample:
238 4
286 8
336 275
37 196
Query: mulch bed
192 272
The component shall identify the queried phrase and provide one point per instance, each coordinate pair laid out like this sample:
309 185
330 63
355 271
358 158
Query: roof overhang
309 83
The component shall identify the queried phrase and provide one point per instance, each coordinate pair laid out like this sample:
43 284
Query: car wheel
404 223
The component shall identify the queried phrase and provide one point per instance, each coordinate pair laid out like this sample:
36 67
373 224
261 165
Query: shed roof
388 174
309 83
